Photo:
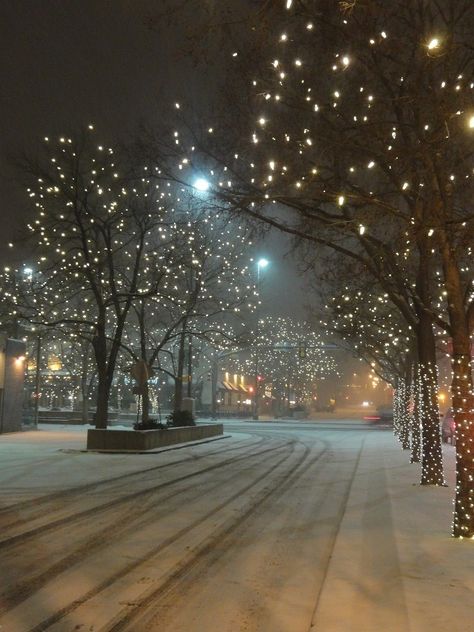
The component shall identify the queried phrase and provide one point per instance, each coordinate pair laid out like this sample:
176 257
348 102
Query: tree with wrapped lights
258 187
291 357
209 283
393 108
217 281
400 274
98 227
362 316
363 117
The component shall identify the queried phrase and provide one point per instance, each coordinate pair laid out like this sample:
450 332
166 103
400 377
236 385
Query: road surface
232 535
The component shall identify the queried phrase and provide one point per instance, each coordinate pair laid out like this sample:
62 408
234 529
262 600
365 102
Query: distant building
12 375
233 394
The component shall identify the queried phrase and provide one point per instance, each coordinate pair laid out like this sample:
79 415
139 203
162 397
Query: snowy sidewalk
395 567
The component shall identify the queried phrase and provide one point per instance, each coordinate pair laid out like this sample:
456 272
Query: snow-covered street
279 527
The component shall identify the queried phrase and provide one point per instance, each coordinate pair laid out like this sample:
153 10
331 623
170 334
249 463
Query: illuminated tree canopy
360 129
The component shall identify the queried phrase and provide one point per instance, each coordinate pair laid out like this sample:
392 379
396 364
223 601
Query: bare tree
92 240
362 117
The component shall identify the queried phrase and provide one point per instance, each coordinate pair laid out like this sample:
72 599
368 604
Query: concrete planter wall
138 440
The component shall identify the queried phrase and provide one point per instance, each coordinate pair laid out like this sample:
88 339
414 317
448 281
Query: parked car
381 415
386 414
448 427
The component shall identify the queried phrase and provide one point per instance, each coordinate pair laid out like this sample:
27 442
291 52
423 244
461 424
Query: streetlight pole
37 380
28 274
190 366
190 339
261 263
214 378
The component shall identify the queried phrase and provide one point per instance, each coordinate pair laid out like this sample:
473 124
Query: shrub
149 424
181 418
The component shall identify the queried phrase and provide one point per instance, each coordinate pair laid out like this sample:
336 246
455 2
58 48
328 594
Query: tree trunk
103 393
463 406
178 385
396 410
85 410
462 397
431 454
416 420
404 418
145 401
106 359
85 383
99 344
427 377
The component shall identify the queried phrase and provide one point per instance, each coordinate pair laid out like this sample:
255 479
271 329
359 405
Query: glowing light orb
201 184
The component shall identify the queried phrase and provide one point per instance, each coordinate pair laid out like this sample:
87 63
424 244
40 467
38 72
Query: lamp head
201 184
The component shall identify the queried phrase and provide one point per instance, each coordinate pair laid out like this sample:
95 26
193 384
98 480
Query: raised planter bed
140 440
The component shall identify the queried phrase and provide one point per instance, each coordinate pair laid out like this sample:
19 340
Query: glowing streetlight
201 184
261 263
433 43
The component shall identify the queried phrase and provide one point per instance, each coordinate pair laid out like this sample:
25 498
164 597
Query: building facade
12 375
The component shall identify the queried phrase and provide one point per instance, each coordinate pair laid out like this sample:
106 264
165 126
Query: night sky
67 63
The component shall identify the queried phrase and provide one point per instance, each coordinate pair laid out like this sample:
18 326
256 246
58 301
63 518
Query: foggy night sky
67 63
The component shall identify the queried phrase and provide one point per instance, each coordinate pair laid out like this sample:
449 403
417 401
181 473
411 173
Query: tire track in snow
20 538
159 614
22 590
207 553
182 533
34 503
166 597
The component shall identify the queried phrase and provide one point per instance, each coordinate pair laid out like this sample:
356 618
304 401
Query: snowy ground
282 527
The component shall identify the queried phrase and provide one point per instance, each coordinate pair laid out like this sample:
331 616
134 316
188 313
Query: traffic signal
302 351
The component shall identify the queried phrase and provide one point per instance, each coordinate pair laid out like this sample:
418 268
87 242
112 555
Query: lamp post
28 276
37 380
201 184
261 264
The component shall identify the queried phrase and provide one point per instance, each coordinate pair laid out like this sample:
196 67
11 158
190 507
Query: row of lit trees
355 134
357 311
123 261
291 358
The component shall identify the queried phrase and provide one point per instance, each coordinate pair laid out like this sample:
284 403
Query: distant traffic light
302 350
